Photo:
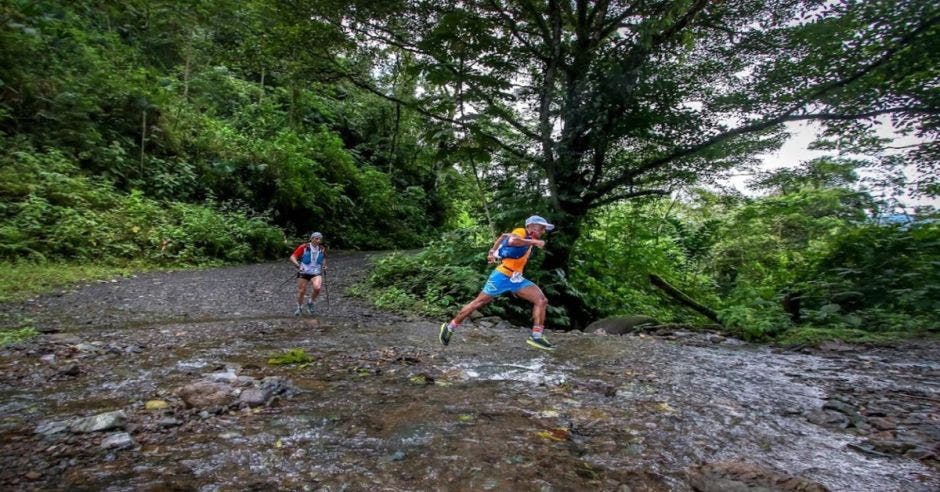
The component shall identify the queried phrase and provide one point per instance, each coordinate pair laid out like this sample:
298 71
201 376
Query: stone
52 428
101 422
278 386
882 424
890 446
70 370
156 405
120 440
87 347
713 338
841 407
619 325
168 422
204 394
222 377
255 397
827 419
837 347
487 322
745 477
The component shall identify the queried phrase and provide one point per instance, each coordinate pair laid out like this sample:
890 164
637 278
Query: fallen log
682 298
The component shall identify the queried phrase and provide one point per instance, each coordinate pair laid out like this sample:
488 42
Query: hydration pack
513 252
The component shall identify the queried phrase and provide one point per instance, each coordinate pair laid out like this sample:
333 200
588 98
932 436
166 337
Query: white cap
535 219
316 234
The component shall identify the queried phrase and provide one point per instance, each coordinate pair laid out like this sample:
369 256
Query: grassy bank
22 280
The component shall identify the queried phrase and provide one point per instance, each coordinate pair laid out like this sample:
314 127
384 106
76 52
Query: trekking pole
326 289
288 279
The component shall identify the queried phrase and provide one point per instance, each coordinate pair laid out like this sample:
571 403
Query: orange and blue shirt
508 266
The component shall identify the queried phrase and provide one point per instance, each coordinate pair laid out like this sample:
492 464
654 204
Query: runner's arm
293 257
491 255
515 240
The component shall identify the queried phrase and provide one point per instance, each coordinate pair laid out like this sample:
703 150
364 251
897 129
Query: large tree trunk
557 267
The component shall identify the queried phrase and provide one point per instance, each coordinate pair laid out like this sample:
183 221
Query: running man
513 249
310 260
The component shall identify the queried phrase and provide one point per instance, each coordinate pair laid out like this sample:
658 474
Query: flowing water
383 406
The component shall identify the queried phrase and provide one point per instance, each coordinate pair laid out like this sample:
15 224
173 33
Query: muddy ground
162 382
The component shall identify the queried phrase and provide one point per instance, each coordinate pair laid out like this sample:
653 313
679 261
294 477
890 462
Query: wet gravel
380 405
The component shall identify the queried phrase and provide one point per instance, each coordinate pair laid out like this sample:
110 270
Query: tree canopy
612 100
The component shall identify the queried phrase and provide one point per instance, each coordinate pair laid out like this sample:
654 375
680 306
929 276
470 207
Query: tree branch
626 177
882 60
417 108
510 24
626 196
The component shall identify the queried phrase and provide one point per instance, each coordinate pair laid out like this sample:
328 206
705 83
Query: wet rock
827 419
837 347
52 428
222 377
618 325
120 440
714 338
70 370
504 325
255 397
889 446
745 477
156 405
48 358
87 348
244 381
882 424
101 422
168 422
204 394
421 379
841 407
279 386
921 454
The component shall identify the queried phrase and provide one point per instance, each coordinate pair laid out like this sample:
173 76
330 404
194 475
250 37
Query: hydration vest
311 263
514 252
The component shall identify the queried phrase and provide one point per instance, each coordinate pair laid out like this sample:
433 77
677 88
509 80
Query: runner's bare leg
480 301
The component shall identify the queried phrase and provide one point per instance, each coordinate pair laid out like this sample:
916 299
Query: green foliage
293 356
624 244
16 335
49 211
436 281
879 277
811 335
23 279
209 102
856 279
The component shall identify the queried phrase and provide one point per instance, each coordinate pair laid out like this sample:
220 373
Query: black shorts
307 276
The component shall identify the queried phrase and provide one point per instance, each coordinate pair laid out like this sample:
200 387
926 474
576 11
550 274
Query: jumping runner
513 251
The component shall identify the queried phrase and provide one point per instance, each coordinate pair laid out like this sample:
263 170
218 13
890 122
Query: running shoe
445 334
540 343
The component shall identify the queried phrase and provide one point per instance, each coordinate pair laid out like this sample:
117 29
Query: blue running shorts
499 283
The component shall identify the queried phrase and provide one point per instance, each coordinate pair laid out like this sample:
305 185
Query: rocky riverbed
166 381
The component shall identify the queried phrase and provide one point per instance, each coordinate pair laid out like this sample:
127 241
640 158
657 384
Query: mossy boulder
618 325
